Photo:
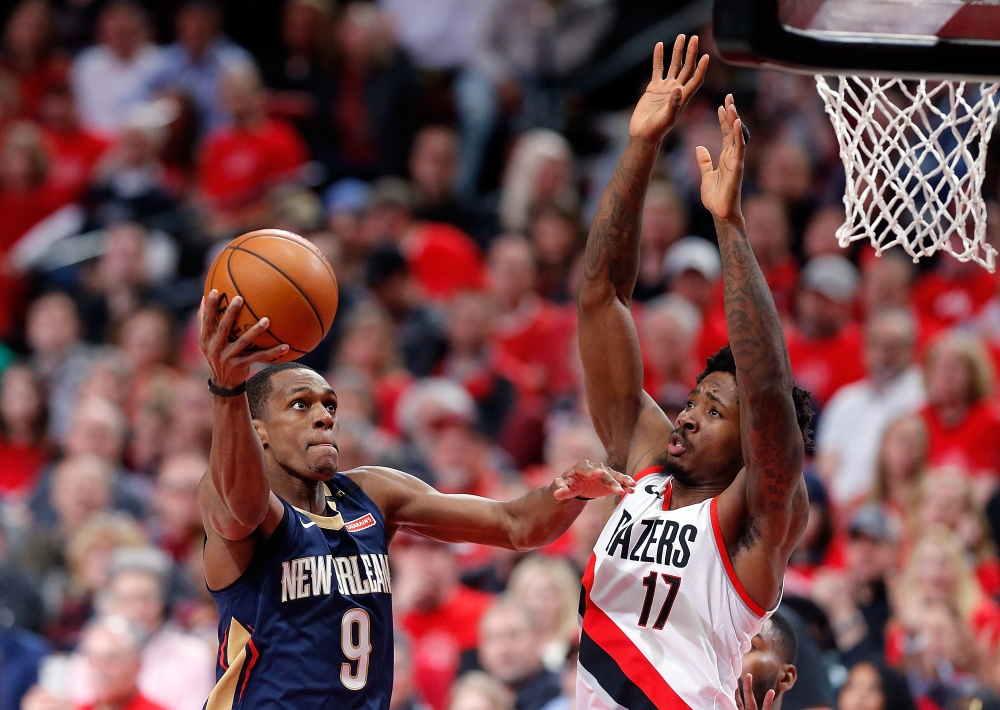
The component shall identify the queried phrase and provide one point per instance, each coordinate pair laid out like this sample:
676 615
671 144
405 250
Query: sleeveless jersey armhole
256 566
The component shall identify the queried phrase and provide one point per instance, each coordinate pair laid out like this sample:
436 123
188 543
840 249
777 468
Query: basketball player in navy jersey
727 473
296 556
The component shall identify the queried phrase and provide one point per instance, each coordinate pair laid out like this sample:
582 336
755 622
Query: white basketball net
915 154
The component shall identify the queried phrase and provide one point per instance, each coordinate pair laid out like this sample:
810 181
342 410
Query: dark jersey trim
610 676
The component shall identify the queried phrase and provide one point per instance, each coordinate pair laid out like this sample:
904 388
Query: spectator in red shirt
24 448
533 335
112 647
443 259
440 615
953 292
964 430
74 152
692 268
770 237
825 344
29 54
243 163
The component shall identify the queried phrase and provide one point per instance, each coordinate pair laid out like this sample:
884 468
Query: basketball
280 276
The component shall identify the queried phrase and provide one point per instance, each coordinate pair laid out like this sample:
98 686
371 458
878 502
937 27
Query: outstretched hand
589 480
720 187
659 107
230 361
746 699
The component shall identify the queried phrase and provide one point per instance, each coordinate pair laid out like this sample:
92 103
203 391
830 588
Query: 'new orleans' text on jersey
309 624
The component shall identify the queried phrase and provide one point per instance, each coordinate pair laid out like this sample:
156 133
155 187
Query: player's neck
303 493
684 495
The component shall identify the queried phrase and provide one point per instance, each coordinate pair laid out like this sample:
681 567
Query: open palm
720 187
659 107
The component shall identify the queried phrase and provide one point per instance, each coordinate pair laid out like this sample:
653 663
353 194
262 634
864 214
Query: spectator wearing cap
856 598
442 258
692 268
345 203
245 161
440 615
197 61
963 429
420 330
176 669
824 343
857 415
110 78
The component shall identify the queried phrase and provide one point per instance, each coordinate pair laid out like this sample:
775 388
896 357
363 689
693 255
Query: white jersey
666 621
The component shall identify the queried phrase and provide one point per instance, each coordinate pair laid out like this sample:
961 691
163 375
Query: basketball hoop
915 155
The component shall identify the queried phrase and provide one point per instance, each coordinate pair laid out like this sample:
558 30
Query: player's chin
323 460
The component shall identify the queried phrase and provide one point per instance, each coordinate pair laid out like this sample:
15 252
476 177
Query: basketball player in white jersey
690 565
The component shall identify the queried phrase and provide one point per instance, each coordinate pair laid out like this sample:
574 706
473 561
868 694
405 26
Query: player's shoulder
387 487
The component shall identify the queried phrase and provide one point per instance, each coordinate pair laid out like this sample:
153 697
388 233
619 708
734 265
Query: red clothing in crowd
33 86
139 702
19 468
74 156
943 302
238 166
440 637
824 365
533 347
972 444
444 260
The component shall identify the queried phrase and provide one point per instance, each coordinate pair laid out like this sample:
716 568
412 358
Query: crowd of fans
422 146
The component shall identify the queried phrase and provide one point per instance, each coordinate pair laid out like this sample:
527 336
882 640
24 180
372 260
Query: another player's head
771 660
706 445
294 410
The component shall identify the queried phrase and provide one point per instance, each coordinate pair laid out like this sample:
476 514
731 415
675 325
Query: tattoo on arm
613 244
772 443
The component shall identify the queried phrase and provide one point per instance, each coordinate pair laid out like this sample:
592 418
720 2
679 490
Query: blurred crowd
433 151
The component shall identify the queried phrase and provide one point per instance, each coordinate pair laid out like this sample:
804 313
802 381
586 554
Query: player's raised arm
765 509
234 494
609 344
533 520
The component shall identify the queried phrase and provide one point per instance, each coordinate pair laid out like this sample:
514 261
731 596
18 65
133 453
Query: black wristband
582 498
223 392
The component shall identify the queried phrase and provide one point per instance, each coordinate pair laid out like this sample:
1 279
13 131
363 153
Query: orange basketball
281 276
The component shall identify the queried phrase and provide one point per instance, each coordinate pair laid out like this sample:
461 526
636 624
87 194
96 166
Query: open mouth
678 444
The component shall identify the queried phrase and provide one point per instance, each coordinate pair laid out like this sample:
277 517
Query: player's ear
786 679
261 429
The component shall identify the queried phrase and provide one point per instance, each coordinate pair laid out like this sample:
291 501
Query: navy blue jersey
309 624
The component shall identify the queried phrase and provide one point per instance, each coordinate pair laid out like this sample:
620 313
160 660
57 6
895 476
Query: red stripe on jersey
223 649
647 472
588 576
254 655
666 495
727 563
630 659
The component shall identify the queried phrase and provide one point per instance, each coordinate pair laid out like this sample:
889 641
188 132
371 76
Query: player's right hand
658 109
746 700
230 361
589 480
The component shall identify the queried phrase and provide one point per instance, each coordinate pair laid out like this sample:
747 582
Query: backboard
898 38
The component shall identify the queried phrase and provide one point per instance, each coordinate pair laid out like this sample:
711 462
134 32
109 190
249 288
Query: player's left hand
720 187
590 480
746 700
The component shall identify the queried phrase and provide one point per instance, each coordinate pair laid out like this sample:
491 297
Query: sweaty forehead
721 384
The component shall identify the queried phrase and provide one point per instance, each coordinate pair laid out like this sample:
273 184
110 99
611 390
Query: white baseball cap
692 254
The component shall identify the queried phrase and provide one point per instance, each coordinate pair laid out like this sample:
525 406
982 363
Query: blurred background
446 156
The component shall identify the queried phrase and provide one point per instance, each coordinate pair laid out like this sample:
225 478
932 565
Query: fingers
658 62
704 159
268 355
690 61
749 701
676 57
626 482
768 699
226 322
248 337
727 128
561 490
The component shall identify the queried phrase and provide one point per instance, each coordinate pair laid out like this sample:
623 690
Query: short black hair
785 641
723 361
259 387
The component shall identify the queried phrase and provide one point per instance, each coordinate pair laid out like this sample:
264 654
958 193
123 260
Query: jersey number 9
355 625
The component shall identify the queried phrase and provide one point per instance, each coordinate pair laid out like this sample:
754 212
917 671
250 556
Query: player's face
705 445
763 662
301 430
